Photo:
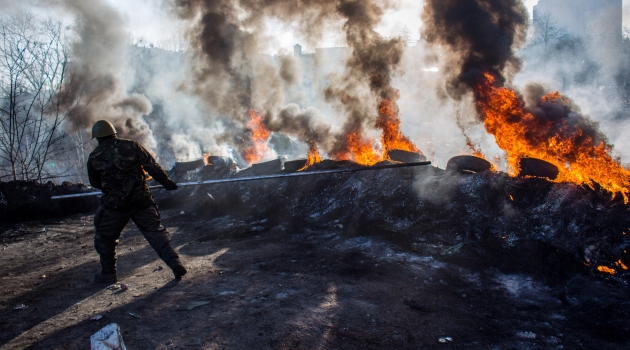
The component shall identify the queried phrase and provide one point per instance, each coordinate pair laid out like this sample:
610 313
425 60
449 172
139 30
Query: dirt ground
258 286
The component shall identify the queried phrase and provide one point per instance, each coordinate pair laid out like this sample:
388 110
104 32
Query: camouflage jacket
115 166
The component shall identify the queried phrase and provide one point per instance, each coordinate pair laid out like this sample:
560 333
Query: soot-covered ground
392 259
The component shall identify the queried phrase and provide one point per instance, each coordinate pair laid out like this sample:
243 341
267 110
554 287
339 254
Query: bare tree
33 65
81 150
546 29
405 35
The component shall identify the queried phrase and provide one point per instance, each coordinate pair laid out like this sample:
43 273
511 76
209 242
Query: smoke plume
231 77
305 124
229 74
95 87
372 62
480 36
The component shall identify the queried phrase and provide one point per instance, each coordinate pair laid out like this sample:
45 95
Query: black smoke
481 36
231 77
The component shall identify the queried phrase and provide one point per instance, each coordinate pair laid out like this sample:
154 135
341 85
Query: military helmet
102 128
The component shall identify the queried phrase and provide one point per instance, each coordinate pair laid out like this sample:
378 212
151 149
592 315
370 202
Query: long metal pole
263 177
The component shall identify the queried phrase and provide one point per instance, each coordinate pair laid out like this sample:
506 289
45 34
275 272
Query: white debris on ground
108 338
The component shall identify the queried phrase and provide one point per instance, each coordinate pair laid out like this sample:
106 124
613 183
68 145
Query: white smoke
153 98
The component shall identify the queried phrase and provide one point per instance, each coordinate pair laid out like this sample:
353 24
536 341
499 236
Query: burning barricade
524 221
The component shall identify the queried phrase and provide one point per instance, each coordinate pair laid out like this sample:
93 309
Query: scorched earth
373 260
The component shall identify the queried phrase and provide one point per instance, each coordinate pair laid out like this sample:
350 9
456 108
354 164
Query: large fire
363 152
579 157
313 156
258 141
389 122
359 150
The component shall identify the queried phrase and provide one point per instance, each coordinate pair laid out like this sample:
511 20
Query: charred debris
467 212
524 222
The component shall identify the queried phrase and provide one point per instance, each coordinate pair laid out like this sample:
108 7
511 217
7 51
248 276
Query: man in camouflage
116 167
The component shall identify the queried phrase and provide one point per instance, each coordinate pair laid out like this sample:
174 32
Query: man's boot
106 277
108 272
178 269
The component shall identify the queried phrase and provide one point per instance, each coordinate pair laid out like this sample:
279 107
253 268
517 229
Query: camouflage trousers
110 223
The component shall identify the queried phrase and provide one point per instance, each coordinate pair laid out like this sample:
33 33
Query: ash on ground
396 259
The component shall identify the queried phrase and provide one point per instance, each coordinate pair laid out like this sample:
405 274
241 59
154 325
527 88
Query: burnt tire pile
523 223
30 200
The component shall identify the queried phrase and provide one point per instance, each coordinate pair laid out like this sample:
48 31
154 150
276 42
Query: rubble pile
521 223
30 200
485 258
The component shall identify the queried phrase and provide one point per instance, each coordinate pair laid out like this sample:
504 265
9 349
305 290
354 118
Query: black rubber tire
220 161
267 168
182 167
468 163
294 165
405 156
538 167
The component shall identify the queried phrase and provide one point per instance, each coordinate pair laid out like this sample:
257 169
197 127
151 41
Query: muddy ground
277 286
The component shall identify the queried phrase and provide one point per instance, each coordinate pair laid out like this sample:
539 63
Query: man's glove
169 185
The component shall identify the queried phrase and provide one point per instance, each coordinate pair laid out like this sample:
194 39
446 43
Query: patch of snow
516 285
227 292
526 335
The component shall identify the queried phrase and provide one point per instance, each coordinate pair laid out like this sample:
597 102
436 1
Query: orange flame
476 152
258 141
363 152
313 156
607 270
577 155
389 122
621 264
205 158
359 150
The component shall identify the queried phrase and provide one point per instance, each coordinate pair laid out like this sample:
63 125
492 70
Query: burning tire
220 161
294 165
270 167
538 167
468 163
405 156
182 167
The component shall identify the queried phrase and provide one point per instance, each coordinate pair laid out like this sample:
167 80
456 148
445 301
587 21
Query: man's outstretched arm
154 169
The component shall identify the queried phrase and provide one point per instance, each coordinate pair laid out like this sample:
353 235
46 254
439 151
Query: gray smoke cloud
96 87
589 66
289 69
229 73
97 74
305 124
372 62
231 77
481 36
